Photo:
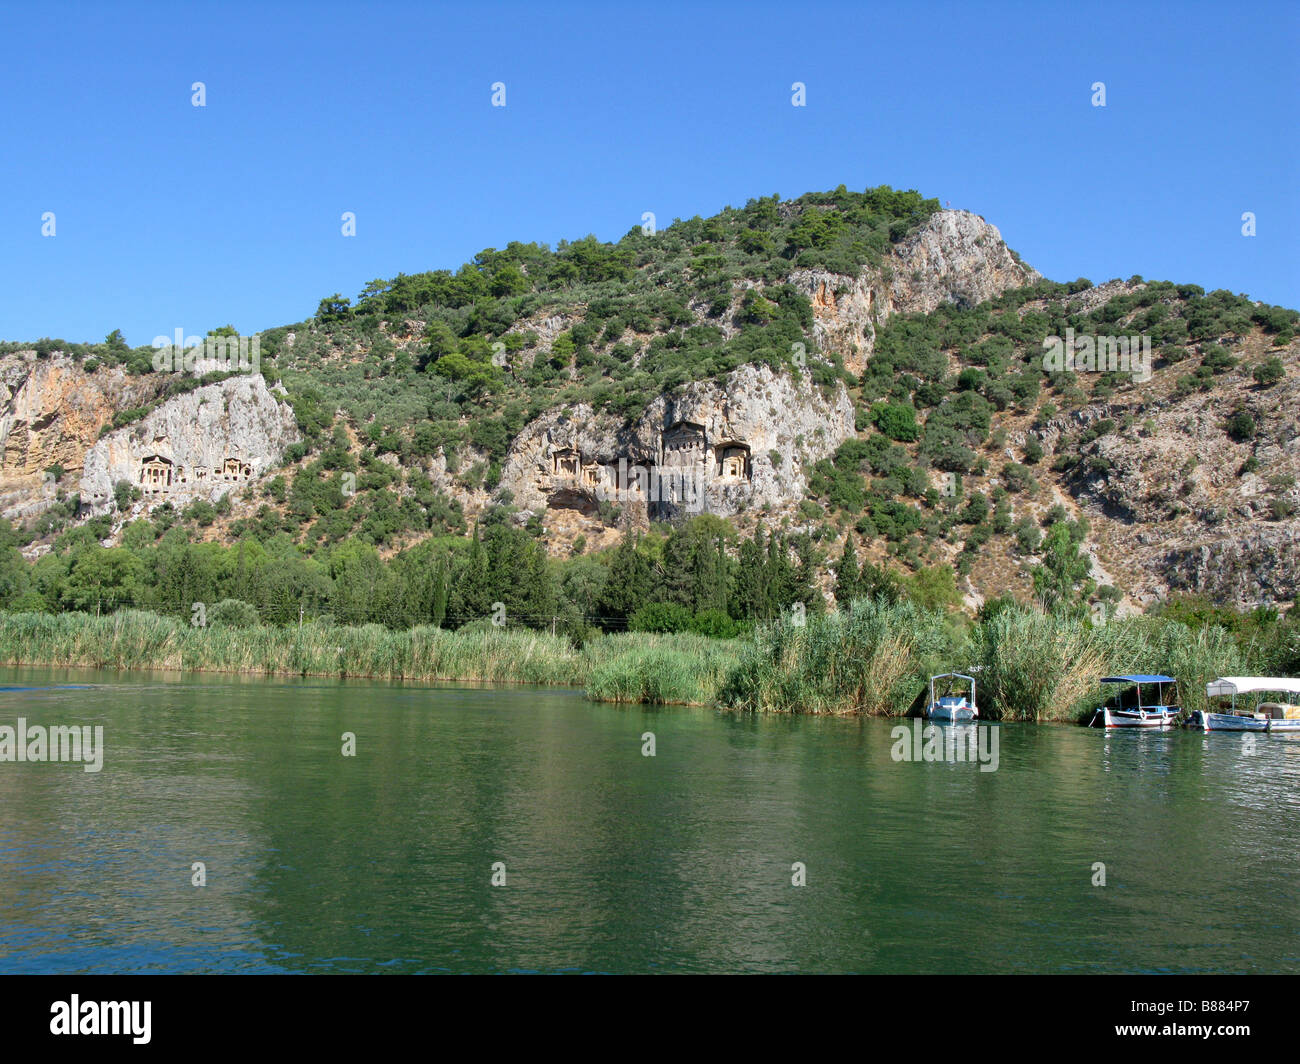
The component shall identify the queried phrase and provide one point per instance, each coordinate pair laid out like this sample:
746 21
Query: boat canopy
952 676
1227 686
1139 679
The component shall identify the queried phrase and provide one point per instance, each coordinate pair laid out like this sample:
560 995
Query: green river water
615 861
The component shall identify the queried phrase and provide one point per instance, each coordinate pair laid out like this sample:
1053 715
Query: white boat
959 708
1262 716
1129 711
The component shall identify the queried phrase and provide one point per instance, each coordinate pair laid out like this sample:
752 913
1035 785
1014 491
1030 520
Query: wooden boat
1130 711
1264 716
959 708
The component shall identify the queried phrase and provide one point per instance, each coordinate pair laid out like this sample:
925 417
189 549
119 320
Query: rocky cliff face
1168 493
747 446
956 257
200 445
51 411
709 448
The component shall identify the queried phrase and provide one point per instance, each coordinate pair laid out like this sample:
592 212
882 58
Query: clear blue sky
174 216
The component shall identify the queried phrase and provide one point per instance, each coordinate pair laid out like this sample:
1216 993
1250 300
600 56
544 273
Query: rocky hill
862 370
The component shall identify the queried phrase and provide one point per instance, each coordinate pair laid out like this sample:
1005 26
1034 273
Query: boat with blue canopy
1143 703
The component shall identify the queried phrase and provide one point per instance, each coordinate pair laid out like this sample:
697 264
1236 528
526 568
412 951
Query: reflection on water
615 861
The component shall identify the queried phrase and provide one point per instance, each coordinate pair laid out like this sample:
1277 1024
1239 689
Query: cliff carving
197 446
703 449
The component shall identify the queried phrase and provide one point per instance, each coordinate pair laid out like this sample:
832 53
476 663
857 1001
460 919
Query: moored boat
958 707
1263 716
1129 710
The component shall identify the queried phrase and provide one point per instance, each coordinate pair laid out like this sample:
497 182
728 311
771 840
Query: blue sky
171 216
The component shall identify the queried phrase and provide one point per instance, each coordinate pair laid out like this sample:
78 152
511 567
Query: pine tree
1064 568
877 582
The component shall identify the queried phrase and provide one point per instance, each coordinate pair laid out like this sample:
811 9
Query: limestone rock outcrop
200 445
1172 506
51 411
706 448
955 257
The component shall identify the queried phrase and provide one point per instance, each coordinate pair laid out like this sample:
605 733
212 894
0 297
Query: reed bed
866 660
135 639
873 658
1196 656
683 670
1035 667
627 667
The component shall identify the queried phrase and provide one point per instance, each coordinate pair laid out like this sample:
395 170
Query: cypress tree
712 574
749 588
846 576
782 583
629 586
472 598
804 577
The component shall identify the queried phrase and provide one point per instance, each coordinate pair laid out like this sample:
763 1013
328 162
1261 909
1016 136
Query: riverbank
626 667
875 658
872 659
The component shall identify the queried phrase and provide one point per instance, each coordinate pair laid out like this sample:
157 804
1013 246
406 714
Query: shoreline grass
619 664
870 660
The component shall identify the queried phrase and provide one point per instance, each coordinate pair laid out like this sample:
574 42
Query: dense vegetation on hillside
937 386
449 362
457 362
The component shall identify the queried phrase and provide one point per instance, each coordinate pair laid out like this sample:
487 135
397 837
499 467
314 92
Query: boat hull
951 716
1233 722
1145 718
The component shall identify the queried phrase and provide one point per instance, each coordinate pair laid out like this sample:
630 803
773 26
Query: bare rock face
1258 565
846 311
706 448
1171 504
200 445
51 411
955 257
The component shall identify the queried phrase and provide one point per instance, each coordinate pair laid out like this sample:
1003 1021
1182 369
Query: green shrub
1269 372
897 421
1241 426
232 613
661 617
